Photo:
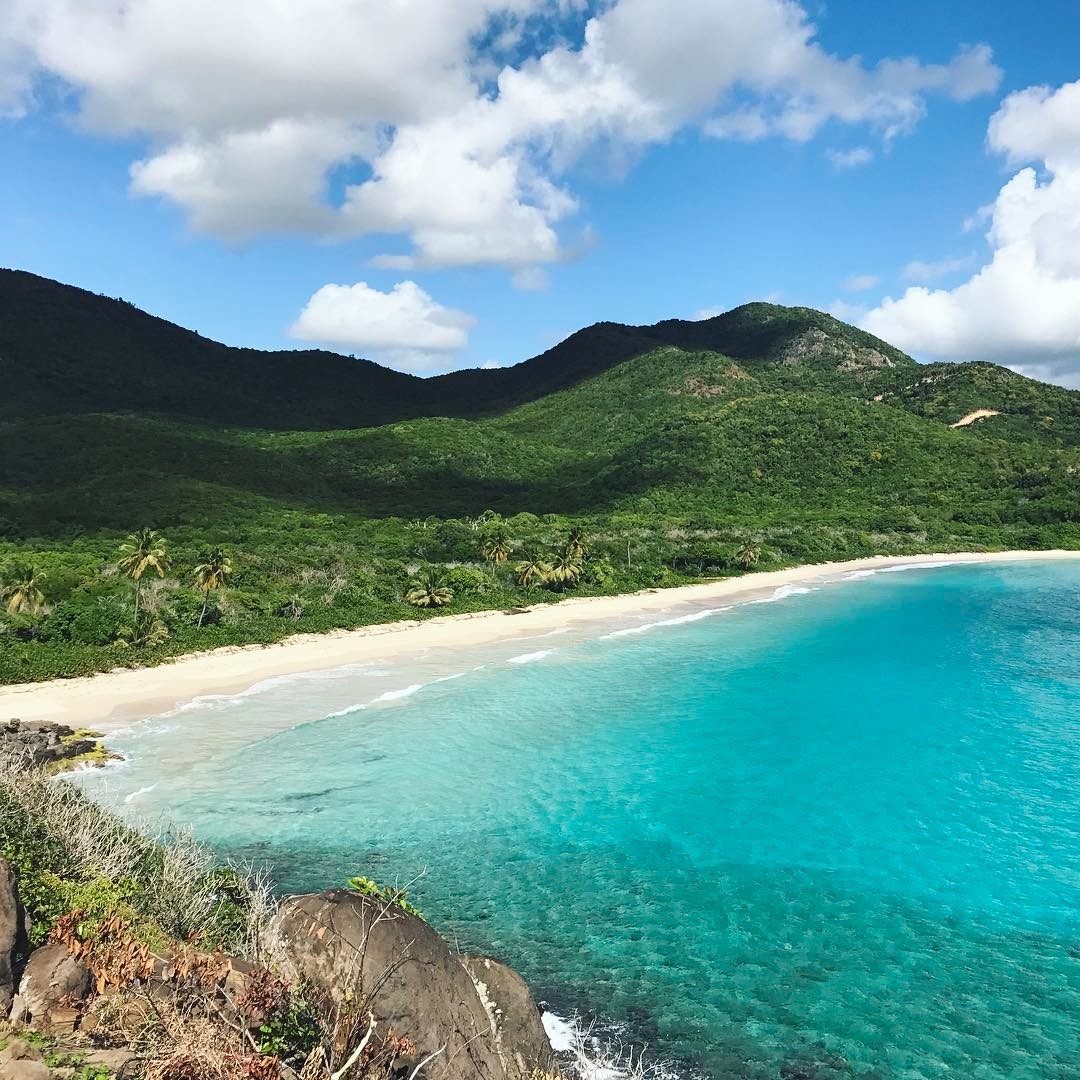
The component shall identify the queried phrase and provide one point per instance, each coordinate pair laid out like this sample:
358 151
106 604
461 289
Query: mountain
66 351
333 480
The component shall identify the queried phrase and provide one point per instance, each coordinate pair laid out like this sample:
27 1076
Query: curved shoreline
112 699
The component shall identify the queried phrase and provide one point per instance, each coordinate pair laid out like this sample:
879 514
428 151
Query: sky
436 184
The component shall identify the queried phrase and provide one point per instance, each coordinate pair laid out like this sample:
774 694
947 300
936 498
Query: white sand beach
113 699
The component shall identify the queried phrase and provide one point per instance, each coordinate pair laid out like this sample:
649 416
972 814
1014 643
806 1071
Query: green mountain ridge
65 351
686 440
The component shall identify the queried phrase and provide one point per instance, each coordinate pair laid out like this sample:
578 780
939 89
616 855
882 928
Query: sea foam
530 657
783 592
854 575
694 616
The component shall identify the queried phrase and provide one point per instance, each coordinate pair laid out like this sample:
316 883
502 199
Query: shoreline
111 700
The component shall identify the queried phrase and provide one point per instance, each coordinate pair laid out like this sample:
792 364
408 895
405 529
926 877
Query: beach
112 700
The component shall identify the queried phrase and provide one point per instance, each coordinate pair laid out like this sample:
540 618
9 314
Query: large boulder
11 928
53 989
515 1018
352 948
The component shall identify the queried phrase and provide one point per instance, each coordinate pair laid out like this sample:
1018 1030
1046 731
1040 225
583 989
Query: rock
53 989
112 1059
21 1061
515 1018
46 744
237 976
12 923
344 944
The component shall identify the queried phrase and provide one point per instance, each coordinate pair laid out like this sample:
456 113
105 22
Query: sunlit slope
669 432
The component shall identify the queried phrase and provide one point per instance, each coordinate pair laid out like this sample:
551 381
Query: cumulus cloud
249 109
404 327
1023 307
861 282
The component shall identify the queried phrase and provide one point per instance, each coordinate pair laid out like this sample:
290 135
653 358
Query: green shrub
367 887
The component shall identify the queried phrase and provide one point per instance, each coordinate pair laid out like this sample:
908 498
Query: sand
114 699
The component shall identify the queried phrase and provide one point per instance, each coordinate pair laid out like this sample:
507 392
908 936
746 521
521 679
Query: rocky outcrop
11 930
516 1022
52 991
815 344
21 1061
368 966
43 743
353 947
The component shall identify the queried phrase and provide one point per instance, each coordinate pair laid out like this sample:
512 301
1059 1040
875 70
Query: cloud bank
1023 307
451 124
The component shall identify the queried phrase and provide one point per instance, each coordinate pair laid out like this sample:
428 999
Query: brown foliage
112 955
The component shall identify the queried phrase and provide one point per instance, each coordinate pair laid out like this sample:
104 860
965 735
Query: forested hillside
340 493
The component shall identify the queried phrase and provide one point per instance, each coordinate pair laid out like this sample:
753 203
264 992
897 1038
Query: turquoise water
836 833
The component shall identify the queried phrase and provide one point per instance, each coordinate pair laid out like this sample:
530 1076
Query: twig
430 1057
355 1055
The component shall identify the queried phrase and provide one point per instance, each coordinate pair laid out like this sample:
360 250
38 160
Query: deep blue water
842 828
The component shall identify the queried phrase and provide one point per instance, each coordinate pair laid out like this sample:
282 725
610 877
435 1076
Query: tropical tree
485 518
576 545
23 594
532 570
748 555
564 570
146 630
431 592
212 575
496 547
142 551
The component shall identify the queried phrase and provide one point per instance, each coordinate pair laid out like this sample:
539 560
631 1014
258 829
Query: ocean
832 834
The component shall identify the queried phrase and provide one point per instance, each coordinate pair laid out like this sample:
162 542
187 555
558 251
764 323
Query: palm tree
146 630
532 570
496 547
23 595
141 551
432 592
748 555
212 575
565 570
576 545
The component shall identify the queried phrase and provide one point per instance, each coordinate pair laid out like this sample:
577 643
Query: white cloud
707 313
850 159
917 270
249 108
234 184
861 282
404 327
1023 307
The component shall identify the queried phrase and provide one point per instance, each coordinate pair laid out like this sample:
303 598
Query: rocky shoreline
51 746
413 996
346 984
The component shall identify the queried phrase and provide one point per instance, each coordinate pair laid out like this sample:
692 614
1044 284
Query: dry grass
178 890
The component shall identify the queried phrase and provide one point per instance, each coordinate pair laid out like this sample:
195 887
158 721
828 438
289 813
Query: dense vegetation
631 457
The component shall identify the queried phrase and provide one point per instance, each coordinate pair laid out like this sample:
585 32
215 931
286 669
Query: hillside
65 351
778 430
1022 408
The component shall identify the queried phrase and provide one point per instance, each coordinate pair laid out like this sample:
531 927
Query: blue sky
674 213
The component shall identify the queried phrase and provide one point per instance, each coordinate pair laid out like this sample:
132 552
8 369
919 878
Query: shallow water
837 832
